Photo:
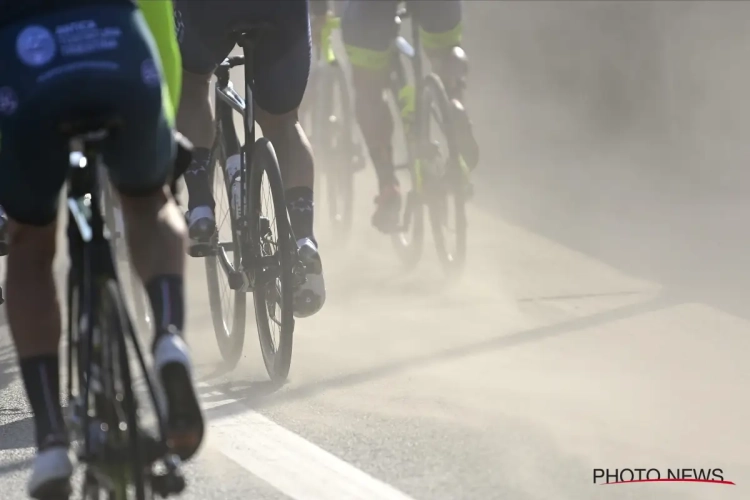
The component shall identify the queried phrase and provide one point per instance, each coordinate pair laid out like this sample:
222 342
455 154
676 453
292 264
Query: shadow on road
264 394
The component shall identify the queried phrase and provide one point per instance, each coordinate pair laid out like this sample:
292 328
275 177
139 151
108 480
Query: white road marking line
291 464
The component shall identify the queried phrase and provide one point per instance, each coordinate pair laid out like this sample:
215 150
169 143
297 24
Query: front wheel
274 251
228 307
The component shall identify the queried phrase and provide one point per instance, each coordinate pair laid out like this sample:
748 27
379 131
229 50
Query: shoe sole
203 247
185 425
57 489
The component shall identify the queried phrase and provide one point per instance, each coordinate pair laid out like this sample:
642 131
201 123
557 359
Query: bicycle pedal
201 250
236 281
265 226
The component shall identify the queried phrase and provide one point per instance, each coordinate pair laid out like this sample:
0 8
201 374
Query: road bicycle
258 252
328 118
437 176
121 459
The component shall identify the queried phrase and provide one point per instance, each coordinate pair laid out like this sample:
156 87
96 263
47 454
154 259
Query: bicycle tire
112 320
339 174
229 338
444 188
277 358
409 241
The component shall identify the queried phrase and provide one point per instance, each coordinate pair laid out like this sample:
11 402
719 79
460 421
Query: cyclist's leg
282 65
368 30
3 233
140 160
33 166
200 56
441 30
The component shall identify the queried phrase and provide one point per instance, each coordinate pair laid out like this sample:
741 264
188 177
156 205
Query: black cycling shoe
386 218
201 232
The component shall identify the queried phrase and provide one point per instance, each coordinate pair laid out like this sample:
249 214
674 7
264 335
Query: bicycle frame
253 268
410 93
91 264
90 257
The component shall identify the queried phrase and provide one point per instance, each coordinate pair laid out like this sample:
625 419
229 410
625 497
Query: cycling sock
299 203
41 376
197 180
167 296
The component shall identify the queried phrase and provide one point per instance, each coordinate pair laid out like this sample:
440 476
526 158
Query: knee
277 127
34 243
195 86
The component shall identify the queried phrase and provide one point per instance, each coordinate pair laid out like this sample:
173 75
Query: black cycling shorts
282 55
66 65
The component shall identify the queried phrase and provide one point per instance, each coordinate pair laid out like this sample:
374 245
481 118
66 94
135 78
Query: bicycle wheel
275 250
409 240
228 307
445 194
117 405
339 151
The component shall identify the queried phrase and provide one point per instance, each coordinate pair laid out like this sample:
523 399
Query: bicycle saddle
90 128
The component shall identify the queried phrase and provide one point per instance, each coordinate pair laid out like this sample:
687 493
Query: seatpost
247 42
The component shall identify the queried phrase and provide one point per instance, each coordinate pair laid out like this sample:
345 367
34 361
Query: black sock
167 296
299 202
41 376
196 178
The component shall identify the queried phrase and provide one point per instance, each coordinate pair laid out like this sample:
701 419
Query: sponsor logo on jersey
35 46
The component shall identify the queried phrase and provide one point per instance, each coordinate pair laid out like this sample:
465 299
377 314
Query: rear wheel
445 191
117 405
228 307
274 252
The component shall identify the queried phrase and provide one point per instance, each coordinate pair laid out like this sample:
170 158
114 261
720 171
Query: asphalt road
602 320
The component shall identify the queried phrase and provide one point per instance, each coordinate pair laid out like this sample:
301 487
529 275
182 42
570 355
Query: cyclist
51 50
369 33
282 65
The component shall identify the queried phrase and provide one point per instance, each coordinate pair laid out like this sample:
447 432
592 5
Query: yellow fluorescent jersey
159 15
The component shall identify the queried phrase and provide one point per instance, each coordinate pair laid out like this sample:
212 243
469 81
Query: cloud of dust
619 128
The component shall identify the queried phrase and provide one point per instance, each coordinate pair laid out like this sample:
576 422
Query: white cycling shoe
51 473
311 295
180 406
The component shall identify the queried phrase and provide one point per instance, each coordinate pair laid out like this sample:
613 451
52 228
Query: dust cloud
620 129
